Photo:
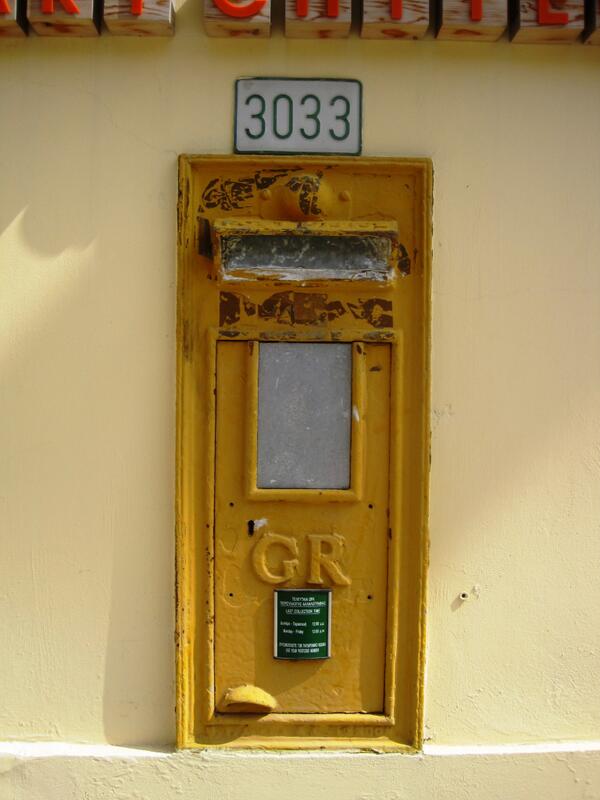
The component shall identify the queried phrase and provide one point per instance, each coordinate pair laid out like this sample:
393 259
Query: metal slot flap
249 249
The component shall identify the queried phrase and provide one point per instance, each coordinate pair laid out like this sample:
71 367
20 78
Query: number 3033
281 117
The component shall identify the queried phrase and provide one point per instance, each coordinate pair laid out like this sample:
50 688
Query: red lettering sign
70 6
332 8
239 11
396 9
547 16
476 10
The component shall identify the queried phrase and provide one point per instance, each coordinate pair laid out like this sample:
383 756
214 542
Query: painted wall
89 134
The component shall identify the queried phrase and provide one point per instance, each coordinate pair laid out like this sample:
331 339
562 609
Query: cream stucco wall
89 134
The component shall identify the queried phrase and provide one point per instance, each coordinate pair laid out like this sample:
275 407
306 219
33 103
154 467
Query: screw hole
369 597
370 505
464 595
231 505
230 594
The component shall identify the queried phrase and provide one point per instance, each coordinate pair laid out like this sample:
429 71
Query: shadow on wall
87 289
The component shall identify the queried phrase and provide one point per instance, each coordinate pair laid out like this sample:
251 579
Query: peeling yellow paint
226 575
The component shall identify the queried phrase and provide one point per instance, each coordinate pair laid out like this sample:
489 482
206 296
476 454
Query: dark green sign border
323 614
356 152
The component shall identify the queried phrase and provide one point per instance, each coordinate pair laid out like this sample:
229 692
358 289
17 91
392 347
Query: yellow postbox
303 318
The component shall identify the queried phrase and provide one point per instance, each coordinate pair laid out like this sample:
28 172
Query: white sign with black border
298 115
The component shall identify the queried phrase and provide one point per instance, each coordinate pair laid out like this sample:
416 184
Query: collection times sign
543 21
302 624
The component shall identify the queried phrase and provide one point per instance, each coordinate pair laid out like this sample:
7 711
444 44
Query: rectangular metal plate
304 399
302 623
302 539
298 115
324 257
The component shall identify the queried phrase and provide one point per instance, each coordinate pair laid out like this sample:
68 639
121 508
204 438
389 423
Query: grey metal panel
304 415
295 256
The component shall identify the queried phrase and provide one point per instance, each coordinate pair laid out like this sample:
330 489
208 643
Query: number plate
296 115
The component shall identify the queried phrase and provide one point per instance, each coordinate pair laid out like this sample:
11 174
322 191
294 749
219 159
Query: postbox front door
302 453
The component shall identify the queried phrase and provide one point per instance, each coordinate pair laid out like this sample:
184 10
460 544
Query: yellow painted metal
247 698
367 543
250 225
344 546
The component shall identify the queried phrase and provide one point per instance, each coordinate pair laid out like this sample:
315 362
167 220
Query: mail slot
302 469
307 250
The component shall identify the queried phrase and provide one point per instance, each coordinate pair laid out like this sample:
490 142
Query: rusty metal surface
304 308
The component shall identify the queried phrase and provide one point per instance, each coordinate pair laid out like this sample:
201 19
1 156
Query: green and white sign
302 623
298 115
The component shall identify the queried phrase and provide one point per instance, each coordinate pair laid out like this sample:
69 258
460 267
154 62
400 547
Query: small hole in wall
231 505
464 595
230 594
369 597
370 505
250 527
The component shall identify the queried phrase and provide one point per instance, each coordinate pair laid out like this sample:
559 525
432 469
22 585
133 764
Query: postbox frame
198 723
